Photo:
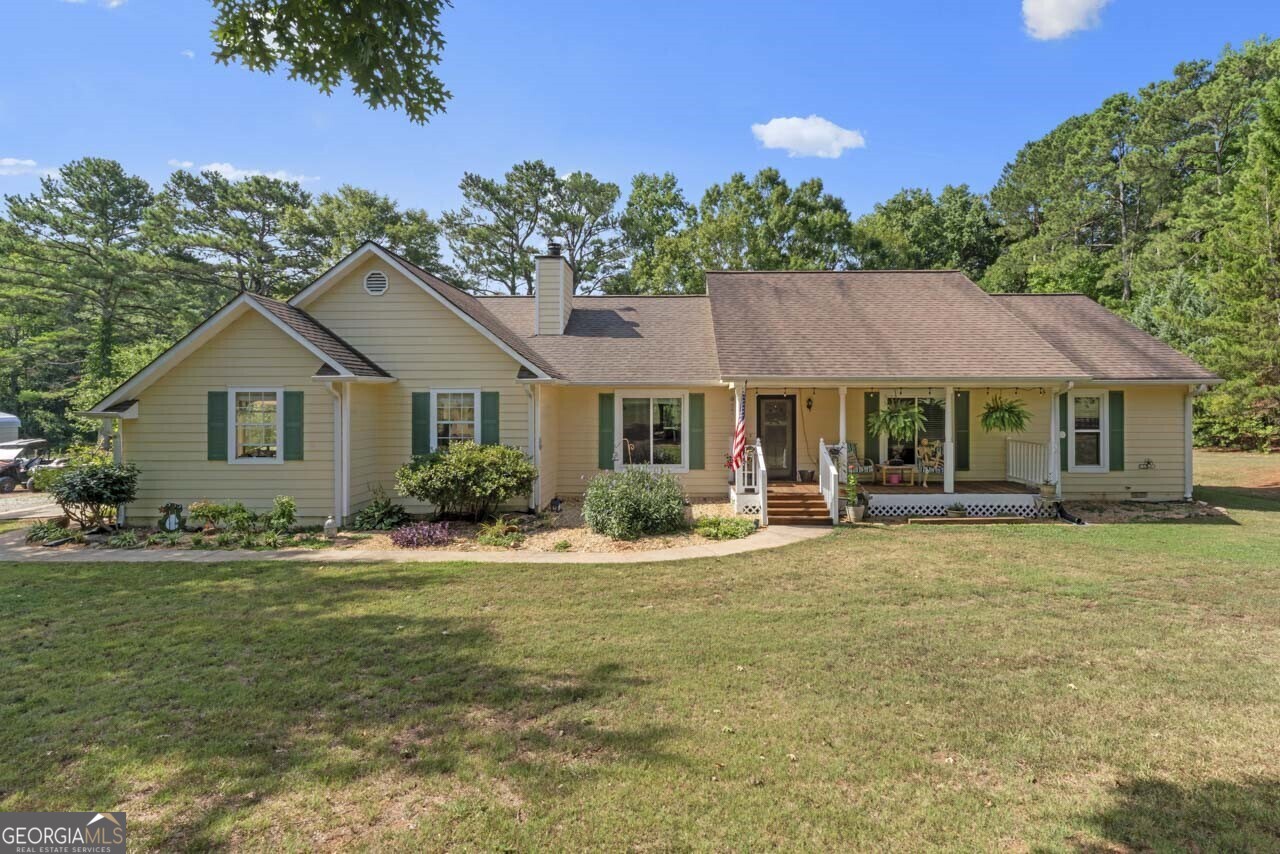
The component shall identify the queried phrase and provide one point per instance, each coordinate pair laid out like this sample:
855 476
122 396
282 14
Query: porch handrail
829 481
1026 462
747 476
762 483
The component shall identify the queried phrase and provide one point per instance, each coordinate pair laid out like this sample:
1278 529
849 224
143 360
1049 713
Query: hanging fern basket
1004 415
901 423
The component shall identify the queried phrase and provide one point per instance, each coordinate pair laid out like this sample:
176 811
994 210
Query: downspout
337 451
117 454
1188 465
346 455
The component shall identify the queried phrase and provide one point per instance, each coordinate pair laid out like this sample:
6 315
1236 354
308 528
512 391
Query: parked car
19 461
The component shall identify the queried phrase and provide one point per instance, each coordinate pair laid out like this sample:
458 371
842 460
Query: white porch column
844 449
1055 464
949 446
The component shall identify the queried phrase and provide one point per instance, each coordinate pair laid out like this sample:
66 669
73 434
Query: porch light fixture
808 403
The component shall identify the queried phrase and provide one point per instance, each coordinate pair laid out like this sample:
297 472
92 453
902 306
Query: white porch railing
829 481
762 483
1026 462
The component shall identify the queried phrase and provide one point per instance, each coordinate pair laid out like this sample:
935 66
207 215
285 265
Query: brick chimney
553 291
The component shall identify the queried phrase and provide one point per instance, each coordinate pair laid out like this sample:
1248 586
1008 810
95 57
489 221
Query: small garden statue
171 517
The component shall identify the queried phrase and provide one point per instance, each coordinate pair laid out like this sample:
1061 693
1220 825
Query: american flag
740 432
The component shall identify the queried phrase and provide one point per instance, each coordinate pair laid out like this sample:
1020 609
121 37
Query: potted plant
1004 415
1048 489
957 510
856 503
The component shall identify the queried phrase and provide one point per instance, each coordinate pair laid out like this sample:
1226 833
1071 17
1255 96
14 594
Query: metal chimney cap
553 248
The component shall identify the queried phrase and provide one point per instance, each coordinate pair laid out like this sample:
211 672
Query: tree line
1162 205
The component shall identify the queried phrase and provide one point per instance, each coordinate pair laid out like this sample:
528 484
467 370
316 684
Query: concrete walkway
14 549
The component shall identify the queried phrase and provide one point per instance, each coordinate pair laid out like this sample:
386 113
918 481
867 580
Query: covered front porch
805 444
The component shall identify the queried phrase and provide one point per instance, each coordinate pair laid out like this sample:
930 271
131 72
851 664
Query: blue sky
937 92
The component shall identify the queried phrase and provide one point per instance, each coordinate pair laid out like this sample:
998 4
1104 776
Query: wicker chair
928 460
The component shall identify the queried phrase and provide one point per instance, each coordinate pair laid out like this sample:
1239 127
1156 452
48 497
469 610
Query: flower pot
1048 490
856 512
957 514
894 478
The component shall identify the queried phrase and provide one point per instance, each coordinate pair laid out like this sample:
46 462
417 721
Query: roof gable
344 361
466 307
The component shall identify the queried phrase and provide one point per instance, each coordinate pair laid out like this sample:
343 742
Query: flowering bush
415 535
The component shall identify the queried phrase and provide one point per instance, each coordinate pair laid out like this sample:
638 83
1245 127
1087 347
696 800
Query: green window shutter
421 442
961 413
870 440
292 425
1063 427
697 431
1115 429
218 425
489 432
604 436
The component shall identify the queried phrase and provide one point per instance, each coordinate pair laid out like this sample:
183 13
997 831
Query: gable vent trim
376 283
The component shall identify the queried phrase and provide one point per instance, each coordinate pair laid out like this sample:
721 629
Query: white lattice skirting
981 504
745 502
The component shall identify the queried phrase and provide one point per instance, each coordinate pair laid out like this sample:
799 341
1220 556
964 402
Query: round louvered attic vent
375 284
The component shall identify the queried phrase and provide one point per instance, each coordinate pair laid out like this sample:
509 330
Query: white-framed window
1087 431
256 425
650 429
935 426
455 416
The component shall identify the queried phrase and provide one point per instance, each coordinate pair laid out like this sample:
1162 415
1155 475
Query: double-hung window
653 430
455 417
1087 418
255 424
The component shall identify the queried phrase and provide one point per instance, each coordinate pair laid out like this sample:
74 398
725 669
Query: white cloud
18 166
189 54
811 137
235 173
113 4
181 164
1054 19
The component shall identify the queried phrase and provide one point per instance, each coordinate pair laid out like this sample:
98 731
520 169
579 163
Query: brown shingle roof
320 337
624 340
873 325
1103 344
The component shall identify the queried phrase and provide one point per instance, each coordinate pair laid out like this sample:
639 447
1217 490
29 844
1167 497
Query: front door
776 427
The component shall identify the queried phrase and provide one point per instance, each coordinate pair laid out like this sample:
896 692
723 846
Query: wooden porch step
779 519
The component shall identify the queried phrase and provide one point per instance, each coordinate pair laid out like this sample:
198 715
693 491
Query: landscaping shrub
205 513
240 519
467 479
725 527
500 533
224 540
381 515
418 534
125 539
629 504
45 532
284 512
90 493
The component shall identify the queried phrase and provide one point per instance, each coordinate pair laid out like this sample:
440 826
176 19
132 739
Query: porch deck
963 487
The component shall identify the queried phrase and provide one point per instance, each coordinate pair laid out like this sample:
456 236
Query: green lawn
1032 687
